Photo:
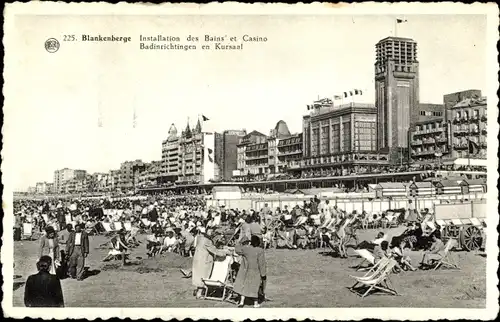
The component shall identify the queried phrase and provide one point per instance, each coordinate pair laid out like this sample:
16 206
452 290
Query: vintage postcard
254 161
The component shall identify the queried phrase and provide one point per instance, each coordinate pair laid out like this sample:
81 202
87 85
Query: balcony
460 146
416 142
484 132
285 153
429 141
249 158
422 153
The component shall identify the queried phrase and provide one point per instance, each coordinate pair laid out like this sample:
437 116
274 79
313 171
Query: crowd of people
185 225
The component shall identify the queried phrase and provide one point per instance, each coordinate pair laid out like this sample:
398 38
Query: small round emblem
52 45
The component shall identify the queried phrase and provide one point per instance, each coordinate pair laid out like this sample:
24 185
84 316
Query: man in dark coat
77 249
43 289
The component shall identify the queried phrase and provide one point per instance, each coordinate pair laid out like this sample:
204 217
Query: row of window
431 113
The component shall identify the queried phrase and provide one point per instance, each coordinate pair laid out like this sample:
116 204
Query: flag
210 150
350 93
210 159
358 92
337 97
401 20
346 94
204 118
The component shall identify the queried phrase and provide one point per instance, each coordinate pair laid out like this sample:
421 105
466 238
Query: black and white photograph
249 158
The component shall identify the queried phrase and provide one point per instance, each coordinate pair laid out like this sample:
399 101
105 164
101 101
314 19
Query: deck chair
127 225
379 280
441 223
447 259
146 222
118 225
427 218
27 231
218 284
107 227
92 230
115 253
431 225
392 221
367 257
456 222
374 270
325 223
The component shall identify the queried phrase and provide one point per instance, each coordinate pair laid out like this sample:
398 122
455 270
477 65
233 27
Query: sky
52 122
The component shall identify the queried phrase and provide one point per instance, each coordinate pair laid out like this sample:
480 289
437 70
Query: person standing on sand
252 272
203 259
77 249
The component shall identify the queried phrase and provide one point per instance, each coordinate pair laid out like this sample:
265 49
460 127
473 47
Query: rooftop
396 39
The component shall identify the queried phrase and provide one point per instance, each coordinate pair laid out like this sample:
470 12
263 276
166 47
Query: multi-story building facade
468 120
260 156
100 181
150 175
113 180
190 156
43 187
170 156
396 92
129 174
64 175
252 154
290 152
218 155
430 112
459 138
341 139
228 152
452 99
429 141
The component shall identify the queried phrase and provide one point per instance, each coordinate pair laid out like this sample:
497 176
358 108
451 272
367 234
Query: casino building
339 140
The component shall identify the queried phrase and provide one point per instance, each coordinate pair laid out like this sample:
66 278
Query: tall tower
396 92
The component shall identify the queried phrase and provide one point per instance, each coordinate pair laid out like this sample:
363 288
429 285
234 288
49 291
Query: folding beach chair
92 230
27 231
392 221
118 225
217 286
431 225
374 270
441 223
107 227
127 225
476 222
447 259
146 222
379 280
367 257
